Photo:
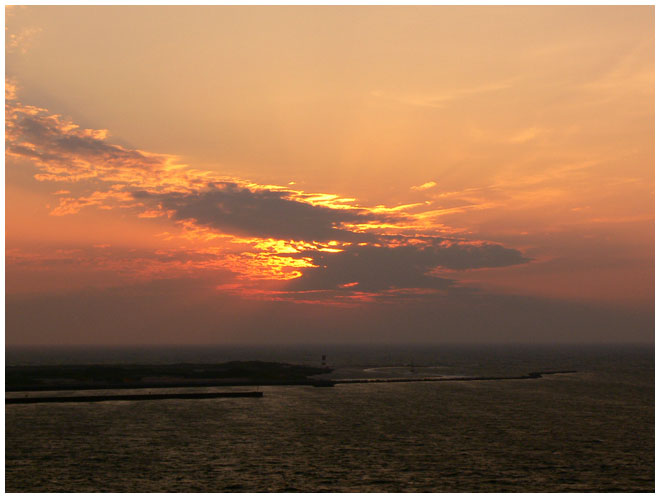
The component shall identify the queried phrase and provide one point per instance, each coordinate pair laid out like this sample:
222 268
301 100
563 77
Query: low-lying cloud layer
171 312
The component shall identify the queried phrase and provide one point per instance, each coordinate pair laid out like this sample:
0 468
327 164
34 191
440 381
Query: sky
326 174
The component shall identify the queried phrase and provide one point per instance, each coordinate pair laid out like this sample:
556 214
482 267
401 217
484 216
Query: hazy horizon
360 345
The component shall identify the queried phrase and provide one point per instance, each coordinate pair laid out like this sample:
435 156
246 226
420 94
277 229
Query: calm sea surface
589 431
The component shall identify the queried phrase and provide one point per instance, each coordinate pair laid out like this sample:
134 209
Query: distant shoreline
103 377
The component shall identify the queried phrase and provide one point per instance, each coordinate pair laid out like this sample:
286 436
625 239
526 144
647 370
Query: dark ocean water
588 431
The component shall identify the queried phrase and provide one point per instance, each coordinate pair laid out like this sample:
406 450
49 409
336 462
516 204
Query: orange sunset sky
271 174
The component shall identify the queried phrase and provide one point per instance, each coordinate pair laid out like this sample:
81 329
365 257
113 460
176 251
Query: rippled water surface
589 431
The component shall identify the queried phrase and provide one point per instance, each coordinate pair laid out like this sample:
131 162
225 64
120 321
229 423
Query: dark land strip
92 377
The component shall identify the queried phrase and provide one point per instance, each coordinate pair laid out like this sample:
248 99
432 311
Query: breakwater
130 397
531 375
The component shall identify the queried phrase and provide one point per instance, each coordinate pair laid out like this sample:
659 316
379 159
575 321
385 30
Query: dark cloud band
236 210
379 268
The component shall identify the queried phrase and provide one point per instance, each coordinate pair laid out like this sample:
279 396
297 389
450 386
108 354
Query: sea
587 431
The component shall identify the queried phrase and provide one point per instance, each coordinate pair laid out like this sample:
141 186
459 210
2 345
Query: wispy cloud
21 40
525 135
18 40
442 98
424 186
